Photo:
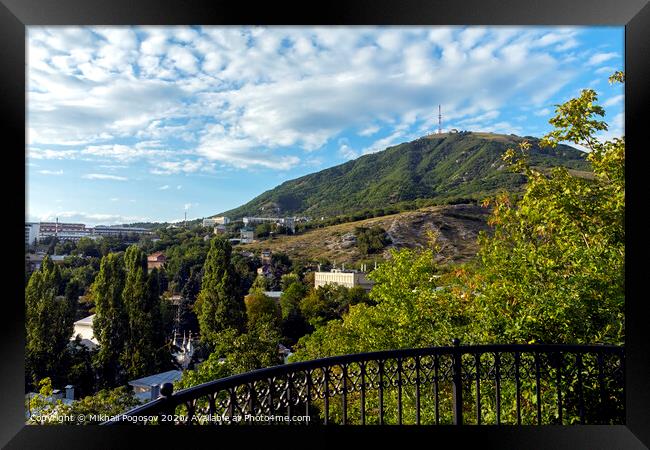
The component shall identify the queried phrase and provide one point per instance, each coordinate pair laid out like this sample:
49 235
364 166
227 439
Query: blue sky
133 124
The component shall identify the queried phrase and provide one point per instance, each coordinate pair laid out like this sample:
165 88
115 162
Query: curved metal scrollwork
489 384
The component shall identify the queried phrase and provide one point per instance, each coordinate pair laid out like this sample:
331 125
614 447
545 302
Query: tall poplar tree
142 354
111 322
48 324
220 305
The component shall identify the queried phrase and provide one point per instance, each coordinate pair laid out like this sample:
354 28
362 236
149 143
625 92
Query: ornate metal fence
486 384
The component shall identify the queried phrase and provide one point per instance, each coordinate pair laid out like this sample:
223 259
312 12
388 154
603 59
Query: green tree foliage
144 350
445 168
108 402
260 284
329 302
111 322
409 311
49 322
88 247
551 270
260 308
220 304
554 268
236 353
263 230
293 324
371 240
44 409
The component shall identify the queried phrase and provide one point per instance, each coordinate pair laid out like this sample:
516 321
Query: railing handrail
264 373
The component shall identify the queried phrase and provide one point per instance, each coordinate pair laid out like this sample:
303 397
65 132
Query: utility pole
439 120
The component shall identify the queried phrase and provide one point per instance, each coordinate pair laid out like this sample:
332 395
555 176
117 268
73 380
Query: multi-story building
347 278
63 231
287 222
221 220
102 230
76 231
219 229
31 232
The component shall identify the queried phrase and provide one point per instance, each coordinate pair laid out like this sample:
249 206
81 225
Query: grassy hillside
446 166
458 226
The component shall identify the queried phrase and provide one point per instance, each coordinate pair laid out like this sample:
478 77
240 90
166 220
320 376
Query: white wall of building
347 279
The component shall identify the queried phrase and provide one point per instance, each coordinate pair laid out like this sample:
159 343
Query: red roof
158 256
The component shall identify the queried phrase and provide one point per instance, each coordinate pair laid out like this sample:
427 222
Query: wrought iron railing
485 384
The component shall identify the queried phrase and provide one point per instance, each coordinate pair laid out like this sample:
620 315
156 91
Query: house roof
158 379
273 294
155 256
86 321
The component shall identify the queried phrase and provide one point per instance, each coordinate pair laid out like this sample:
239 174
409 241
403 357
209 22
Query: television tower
439 120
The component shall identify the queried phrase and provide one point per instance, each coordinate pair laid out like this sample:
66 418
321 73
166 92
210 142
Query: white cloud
163 188
185 166
599 58
256 95
51 172
103 176
616 100
88 218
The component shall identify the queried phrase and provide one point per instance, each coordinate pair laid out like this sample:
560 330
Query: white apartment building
221 220
288 222
347 278
31 232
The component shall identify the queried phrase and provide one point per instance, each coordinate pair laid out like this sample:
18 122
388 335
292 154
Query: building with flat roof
102 230
221 220
31 233
347 278
148 388
287 222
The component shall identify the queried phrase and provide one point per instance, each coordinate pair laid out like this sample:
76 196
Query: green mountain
446 167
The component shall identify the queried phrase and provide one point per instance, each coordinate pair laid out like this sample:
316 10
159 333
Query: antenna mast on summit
439 120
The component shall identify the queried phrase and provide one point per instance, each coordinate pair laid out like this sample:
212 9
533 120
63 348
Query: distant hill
458 227
447 166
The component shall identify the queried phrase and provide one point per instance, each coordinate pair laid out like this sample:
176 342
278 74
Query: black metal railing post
458 383
169 408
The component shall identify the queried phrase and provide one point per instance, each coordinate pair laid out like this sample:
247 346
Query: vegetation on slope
445 167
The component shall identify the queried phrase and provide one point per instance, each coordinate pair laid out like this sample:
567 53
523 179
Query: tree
293 325
220 305
88 247
107 402
49 322
236 353
554 268
111 321
371 240
260 308
260 285
143 350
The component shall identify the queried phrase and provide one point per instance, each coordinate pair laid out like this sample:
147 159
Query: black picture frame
15 15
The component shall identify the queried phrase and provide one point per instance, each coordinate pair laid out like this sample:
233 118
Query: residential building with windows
347 278
31 233
211 222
